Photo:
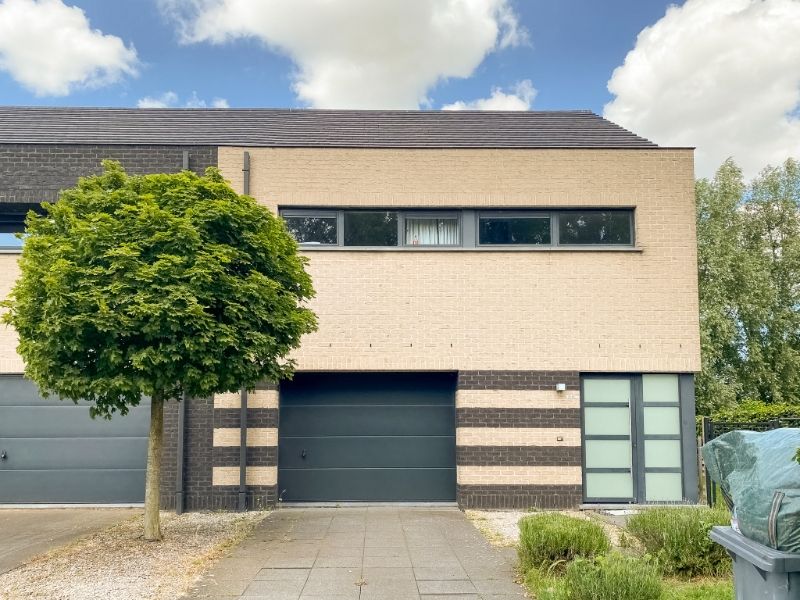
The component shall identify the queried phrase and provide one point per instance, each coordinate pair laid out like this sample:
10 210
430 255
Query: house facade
507 304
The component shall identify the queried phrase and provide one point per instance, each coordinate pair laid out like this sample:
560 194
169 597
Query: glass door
632 445
607 439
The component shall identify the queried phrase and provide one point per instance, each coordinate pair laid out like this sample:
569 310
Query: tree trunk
152 491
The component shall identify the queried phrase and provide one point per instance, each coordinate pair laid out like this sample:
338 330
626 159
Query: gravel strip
499 526
117 563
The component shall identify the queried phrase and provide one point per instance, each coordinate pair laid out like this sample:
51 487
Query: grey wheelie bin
760 573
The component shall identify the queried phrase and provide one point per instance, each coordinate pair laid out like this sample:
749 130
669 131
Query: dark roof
314 128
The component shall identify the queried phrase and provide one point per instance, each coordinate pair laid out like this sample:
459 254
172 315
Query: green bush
612 577
548 540
757 411
678 539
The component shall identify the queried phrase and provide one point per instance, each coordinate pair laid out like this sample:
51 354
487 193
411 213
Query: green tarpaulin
758 474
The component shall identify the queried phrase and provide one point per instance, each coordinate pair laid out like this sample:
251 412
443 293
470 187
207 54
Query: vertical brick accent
169 455
198 453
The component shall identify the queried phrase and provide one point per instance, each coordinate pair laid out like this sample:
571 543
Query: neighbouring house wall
34 173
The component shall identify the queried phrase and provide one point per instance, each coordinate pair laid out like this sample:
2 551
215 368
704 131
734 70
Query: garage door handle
303 453
3 455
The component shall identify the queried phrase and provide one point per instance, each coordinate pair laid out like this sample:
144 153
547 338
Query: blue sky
574 47
719 75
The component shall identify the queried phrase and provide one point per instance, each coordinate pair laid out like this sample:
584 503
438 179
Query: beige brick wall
519 475
10 361
588 311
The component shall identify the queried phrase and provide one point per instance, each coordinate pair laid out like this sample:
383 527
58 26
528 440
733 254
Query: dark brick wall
169 455
518 417
256 417
197 454
34 173
517 380
519 496
226 497
516 456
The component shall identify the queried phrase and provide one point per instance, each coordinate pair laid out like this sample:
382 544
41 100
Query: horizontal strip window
466 228
11 224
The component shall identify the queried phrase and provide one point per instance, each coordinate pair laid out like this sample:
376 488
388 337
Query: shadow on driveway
26 532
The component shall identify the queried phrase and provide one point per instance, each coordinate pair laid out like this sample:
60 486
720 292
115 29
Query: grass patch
613 576
707 589
678 539
550 540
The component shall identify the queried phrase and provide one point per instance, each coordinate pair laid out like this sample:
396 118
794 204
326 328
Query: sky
719 75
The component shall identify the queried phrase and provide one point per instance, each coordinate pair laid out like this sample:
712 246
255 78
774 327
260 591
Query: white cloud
172 100
359 53
722 75
165 100
50 48
520 97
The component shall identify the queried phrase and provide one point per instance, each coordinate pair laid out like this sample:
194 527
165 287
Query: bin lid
763 557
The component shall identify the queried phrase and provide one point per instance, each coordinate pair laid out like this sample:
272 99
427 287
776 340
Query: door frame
687 441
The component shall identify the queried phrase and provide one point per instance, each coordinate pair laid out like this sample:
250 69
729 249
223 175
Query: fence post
708 435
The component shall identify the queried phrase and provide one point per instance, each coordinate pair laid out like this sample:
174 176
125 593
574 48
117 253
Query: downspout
185 160
243 452
179 501
246 174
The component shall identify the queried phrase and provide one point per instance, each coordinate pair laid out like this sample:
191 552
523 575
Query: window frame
631 227
430 214
378 210
319 214
11 223
468 227
515 214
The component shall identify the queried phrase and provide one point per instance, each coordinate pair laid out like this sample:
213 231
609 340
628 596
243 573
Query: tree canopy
156 285
749 276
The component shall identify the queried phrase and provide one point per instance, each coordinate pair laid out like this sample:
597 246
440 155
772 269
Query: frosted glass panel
608 454
663 487
607 390
660 388
660 420
609 485
662 453
607 421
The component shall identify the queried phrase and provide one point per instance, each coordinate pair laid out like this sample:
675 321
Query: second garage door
51 451
380 437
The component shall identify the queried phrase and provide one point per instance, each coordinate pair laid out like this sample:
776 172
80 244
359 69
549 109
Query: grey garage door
54 453
378 437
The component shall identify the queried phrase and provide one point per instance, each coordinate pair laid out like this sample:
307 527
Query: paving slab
370 553
26 532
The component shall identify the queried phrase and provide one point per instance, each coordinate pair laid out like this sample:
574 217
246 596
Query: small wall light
561 387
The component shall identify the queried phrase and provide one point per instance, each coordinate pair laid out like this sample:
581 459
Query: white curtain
432 232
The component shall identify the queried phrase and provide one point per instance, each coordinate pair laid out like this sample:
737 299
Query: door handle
3 455
303 453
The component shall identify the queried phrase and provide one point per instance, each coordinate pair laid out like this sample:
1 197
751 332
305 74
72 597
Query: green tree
770 313
719 254
749 277
156 285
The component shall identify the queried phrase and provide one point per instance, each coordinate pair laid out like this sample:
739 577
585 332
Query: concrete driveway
375 553
25 532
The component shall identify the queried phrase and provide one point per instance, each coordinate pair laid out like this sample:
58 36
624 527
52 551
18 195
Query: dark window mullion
554 238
